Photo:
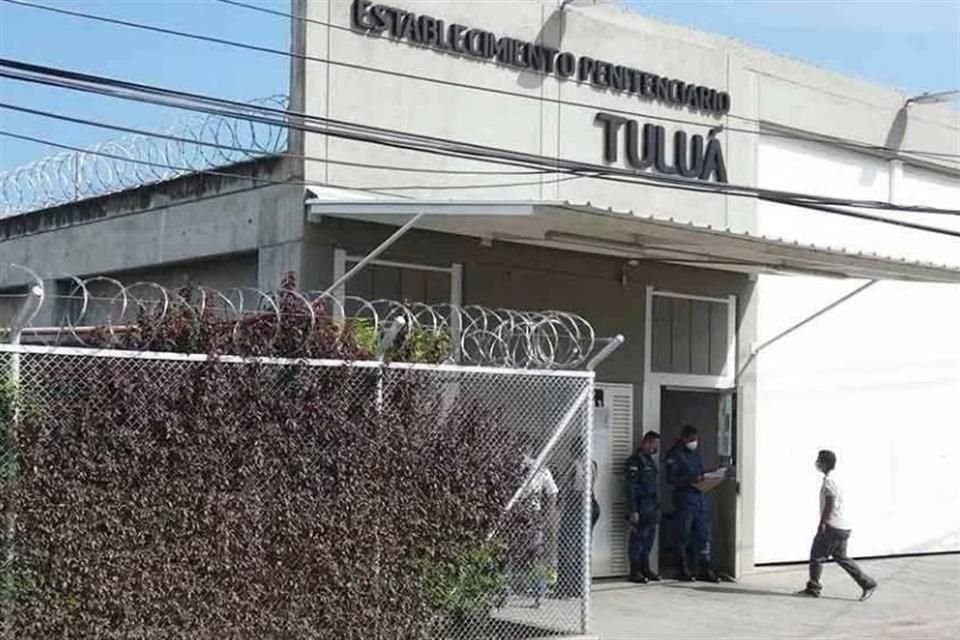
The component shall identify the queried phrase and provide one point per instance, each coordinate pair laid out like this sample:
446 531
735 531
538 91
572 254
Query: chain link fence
160 495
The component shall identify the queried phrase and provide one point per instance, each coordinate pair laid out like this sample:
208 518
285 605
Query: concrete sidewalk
917 598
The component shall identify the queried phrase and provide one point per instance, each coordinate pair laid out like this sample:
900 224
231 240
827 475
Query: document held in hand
711 479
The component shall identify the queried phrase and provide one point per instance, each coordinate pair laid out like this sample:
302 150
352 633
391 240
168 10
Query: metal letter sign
692 156
460 40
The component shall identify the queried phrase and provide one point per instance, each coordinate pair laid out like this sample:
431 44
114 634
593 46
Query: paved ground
917 598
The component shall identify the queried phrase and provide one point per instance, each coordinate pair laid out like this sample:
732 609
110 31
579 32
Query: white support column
339 269
730 364
895 181
650 410
456 304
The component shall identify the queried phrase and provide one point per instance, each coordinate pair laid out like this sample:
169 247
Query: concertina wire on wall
478 335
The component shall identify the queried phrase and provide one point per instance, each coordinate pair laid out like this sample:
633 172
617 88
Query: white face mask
692 445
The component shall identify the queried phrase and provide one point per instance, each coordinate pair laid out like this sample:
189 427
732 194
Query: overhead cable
405 140
462 85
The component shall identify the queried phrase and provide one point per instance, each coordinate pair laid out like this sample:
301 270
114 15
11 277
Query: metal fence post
26 314
587 506
594 362
520 400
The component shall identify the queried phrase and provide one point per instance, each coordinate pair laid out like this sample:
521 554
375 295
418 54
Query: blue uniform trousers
693 525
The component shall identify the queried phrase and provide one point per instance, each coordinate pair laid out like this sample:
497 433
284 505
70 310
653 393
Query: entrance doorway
711 412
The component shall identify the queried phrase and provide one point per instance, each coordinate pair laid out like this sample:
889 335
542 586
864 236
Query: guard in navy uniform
684 470
643 503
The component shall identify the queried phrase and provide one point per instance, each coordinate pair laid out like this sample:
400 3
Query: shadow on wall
895 136
551 35
898 129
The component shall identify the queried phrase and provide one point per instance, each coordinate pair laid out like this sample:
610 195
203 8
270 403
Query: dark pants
642 536
693 533
832 543
570 559
641 542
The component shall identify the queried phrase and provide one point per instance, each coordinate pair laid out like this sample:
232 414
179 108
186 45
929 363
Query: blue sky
912 45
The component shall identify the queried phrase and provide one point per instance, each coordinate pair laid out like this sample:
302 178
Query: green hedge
211 500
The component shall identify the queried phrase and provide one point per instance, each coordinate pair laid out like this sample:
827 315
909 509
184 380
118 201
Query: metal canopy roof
586 228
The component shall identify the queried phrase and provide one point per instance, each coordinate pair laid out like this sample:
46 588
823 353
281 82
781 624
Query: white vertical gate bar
456 304
587 506
340 293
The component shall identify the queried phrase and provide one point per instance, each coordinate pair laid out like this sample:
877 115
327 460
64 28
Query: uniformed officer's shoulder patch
671 459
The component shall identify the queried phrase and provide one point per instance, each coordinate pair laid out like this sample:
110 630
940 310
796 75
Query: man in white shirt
542 486
833 534
532 567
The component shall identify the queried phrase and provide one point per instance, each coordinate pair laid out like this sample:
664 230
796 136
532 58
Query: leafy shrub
466 584
201 500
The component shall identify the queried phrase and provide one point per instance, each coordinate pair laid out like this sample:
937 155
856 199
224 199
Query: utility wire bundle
395 139
273 119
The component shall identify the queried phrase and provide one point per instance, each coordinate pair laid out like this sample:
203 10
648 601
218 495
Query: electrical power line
845 142
271 181
251 151
436 145
386 190
288 54
439 187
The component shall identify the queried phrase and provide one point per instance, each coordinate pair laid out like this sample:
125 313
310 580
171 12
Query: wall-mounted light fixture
934 98
563 5
628 266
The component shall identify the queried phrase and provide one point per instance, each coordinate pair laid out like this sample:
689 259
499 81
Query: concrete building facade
697 281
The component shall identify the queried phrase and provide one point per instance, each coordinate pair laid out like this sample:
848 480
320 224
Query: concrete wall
875 379
520 111
188 219
523 277
438 94
11 299
62 296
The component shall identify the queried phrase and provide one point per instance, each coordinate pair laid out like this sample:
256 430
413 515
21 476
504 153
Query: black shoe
638 578
708 575
648 572
808 592
686 577
867 592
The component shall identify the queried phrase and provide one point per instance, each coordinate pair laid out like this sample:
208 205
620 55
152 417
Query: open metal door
726 497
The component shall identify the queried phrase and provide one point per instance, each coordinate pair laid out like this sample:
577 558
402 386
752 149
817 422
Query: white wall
810 167
519 111
877 379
